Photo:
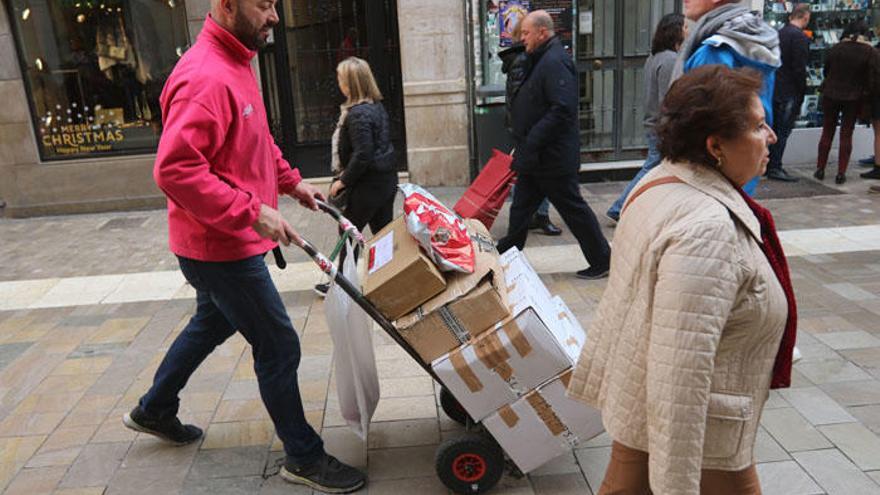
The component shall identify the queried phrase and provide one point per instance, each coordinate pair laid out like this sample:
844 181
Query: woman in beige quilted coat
690 328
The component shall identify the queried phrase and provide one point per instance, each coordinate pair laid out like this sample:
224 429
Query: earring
720 163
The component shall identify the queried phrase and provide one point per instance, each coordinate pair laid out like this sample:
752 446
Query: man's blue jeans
230 296
785 111
652 160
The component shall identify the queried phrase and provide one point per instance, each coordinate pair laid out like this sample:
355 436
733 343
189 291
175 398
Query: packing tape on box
464 371
545 412
566 378
491 352
517 338
508 416
454 325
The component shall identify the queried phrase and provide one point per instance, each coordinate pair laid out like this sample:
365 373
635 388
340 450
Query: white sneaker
796 356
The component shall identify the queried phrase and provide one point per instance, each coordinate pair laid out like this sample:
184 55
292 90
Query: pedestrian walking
547 158
362 156
668 37
221 171
729 34
849 69
791 85
874 102
698 319
514 64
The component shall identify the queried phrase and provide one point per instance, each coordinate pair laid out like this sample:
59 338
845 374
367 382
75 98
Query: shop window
827 21
94 71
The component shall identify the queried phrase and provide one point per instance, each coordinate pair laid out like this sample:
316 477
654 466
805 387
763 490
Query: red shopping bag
485 197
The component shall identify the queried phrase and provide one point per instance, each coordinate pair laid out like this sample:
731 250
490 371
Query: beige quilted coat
681 351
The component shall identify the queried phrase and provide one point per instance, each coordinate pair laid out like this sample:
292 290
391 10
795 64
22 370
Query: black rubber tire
453 409
470 463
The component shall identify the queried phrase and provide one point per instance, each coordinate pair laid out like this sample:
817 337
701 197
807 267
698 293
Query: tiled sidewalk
68 373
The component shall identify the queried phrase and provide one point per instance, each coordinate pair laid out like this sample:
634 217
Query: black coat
849 69
515 64
545 115
791 78
365 150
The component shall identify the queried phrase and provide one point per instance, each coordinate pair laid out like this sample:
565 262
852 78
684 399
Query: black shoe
168 429
780 175
872 174
327 475
321 289
839 179
593 273
550 229
867 161
538 221
819 174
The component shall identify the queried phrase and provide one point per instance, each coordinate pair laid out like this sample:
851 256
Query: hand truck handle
344 223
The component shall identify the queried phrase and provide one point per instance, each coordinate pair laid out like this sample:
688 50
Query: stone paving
68 373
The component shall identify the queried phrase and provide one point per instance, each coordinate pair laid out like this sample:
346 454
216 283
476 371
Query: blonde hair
357 75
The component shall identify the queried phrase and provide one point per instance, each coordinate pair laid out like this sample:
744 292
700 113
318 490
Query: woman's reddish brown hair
713 100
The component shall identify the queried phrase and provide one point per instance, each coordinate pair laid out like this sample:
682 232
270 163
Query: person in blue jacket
729 34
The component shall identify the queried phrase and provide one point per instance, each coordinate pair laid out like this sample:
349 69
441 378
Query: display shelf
827 22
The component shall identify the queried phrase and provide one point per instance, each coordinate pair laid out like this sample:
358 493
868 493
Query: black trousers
565 195
371 202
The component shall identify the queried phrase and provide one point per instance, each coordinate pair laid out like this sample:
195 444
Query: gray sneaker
327 474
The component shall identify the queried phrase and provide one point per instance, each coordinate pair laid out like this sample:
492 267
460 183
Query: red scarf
773 251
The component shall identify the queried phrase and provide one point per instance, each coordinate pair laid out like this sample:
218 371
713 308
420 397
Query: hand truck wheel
453 408
469 464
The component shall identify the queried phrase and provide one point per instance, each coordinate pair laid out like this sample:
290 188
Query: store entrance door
613 42
298 72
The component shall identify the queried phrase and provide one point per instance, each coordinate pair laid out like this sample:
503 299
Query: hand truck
467 464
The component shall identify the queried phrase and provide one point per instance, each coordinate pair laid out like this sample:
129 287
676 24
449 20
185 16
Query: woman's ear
713 146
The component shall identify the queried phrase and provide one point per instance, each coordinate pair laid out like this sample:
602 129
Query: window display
500 17
827 22
94 70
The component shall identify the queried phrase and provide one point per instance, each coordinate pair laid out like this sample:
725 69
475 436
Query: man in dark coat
547 158
791 84
515 64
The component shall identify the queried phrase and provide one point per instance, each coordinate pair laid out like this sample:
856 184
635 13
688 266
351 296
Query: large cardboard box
543 425
471 304
399 276
516 265
504 363
572 336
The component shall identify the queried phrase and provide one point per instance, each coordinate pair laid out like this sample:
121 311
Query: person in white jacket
698 318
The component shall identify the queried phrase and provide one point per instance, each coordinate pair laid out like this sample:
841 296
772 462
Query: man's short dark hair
669 34
800 11
712 100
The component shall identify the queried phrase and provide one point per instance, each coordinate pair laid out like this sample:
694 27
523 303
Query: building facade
80 81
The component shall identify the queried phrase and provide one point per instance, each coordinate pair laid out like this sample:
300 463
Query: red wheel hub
469 467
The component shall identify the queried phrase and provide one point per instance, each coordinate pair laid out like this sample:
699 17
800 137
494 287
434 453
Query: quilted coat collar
714 184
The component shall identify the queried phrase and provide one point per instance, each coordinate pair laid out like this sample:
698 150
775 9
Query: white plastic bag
357 381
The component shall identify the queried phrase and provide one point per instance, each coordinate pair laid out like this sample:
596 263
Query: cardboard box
543 425
572 337
471 304
516 265
399 276
504 363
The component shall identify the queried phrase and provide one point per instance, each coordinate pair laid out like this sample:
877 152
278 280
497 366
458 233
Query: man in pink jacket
221 171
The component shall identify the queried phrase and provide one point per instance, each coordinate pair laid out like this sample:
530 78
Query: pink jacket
217 162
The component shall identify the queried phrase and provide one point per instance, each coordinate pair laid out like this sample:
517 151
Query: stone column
433 65
17 144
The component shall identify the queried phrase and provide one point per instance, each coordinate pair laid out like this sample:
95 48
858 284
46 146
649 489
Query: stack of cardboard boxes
496 338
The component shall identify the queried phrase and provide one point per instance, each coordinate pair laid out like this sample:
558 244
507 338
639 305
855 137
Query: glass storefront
94 70
609 41
827 22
